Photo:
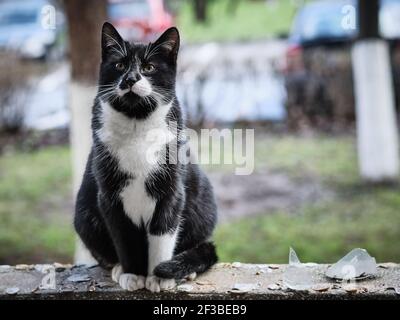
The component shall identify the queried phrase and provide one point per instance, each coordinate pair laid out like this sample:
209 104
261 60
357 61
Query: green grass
251 20
319 233
359 216
35 217
333 159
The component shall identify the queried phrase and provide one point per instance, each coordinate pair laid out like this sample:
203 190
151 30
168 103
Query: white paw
191 276
116 272
156 284
131 282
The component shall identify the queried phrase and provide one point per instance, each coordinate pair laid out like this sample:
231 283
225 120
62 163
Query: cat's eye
120 66
148 68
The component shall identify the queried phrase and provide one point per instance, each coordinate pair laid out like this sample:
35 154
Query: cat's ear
111 41
170 41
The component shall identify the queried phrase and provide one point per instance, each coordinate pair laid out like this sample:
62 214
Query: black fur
182 192
197 260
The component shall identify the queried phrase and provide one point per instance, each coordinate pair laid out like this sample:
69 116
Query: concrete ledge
223 281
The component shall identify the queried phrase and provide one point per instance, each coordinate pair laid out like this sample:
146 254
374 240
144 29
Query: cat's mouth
131 97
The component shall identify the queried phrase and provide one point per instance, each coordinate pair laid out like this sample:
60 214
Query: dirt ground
263 192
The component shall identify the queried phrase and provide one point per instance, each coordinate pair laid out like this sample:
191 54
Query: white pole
378 146
81 101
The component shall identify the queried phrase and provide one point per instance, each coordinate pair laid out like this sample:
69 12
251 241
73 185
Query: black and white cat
148 218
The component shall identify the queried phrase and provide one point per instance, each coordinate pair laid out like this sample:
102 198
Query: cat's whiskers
162 95
110 96
104 87
108 91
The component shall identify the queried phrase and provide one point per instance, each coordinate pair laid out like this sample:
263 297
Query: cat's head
134 75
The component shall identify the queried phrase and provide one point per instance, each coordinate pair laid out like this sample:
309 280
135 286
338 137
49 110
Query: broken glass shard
357 264
293 259
297 275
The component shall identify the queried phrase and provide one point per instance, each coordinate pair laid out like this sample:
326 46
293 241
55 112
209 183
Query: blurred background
281 67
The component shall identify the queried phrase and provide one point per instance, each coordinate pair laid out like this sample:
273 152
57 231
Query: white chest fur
139 146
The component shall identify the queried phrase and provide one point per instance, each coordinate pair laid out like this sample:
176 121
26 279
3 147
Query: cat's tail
197 259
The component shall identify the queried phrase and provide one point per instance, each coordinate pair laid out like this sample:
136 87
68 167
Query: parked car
22 28
318 72
139 20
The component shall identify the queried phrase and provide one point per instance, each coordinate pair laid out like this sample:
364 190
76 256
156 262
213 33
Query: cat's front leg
161 248
127 237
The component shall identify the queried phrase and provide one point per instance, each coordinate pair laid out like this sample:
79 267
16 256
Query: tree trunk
200 10
85 19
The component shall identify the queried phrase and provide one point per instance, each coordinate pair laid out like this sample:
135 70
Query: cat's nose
131 80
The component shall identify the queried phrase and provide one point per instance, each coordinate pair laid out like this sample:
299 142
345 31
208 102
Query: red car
139 20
